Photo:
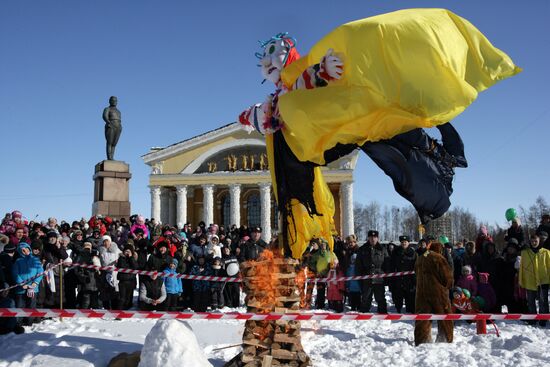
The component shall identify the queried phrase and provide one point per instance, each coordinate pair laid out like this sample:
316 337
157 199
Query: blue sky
180 68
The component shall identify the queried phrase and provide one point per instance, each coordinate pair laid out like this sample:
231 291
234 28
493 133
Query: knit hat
162 244
51 234
10 248
483 277
175 262
16 214
467 268
37 245
513 241
106 237
87 244
129 247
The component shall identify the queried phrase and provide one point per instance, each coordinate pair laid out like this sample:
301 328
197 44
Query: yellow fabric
303 227
403 70
534 269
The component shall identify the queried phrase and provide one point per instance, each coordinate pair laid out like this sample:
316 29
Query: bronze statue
113 127
263 161
212 167
252 163
244 157
231 162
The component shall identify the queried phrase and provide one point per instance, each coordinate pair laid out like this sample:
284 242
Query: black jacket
252 250
125 262
372 260
403 260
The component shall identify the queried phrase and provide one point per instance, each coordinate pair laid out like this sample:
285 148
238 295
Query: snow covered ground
83 342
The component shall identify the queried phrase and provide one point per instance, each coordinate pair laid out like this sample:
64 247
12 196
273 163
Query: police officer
255 245
403 288
372 258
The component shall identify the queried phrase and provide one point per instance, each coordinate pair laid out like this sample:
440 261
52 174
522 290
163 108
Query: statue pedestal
111 189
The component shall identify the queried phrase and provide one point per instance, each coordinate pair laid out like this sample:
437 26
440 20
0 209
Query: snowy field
83 342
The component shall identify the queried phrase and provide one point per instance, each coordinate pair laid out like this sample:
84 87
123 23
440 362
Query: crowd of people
517 277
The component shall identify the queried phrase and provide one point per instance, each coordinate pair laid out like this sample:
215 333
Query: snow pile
172 343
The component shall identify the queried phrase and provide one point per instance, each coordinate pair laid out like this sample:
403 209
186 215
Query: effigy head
278 52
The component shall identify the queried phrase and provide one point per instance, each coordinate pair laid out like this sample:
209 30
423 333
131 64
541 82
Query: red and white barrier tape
99 314
48 268
202 277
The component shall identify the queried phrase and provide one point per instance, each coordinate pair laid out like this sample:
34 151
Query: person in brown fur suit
434 279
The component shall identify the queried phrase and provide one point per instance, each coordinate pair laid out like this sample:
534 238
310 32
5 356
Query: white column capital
181 189
154 189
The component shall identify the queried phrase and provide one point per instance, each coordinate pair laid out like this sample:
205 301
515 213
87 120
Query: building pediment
226 149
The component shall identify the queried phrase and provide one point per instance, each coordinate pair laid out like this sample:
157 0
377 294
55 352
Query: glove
30 292
331 66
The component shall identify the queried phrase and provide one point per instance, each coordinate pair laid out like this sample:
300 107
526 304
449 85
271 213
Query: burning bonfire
272 284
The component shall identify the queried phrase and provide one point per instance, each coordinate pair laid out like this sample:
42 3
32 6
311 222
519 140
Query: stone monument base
111 189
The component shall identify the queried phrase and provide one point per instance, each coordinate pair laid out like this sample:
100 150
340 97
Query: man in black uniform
255 245
372 258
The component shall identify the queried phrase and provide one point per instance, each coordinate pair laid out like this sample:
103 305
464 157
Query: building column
181 205
265 208
346 207
235 205
164 199
208 204
155 202
172 207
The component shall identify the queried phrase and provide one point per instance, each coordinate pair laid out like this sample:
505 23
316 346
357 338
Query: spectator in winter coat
508 277
54 253
200 248
160 259
25 268
108 255
486 291
515 231
201 288
152 294
433 282
482 237
88 279
216 288
143 248
232 290
126 282
214 248
353 287
490 263
372 258
7 324
458 260
173 286
336 289
472 257
140 223
534 276
403 289
544 227
467 280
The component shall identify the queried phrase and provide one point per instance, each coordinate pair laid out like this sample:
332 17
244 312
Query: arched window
254 211
226 211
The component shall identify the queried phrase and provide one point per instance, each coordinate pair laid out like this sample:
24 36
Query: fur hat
4 239
106 237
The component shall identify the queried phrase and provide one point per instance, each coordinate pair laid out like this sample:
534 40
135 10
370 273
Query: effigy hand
332 65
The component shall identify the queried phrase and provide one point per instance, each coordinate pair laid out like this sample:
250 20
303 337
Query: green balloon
511 214
443 239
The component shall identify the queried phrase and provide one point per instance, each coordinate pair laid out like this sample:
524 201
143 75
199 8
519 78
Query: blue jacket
173 285
201 285
353 286
26 267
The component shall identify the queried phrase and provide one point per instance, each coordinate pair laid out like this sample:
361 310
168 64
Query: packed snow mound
172 343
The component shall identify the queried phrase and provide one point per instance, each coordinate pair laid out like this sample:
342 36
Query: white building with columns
222 177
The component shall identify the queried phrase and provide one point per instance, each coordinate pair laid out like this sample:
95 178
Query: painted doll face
272 61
